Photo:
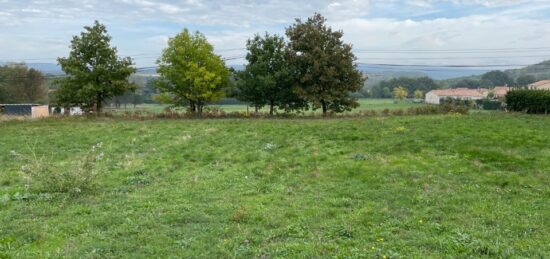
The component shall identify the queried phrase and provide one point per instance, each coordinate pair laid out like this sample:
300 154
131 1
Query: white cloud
43 28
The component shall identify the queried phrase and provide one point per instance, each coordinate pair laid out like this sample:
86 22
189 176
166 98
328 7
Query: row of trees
495 78
19 84
412 87
314 69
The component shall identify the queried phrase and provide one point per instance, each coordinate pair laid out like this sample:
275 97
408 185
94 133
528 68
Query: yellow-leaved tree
191 74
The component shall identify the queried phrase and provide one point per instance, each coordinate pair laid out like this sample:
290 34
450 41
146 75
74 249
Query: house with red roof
435 96
540 85
501 91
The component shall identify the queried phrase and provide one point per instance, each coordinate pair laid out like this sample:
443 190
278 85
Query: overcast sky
459 31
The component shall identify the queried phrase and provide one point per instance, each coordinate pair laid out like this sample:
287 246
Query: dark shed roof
18 109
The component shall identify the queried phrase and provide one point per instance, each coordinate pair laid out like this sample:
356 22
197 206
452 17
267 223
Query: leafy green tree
486 83
498 78
19 84
33 86
418 94
385 88
386 92
266 79
400 93
525 80
94 71
2 86
191 74
325 72
467 83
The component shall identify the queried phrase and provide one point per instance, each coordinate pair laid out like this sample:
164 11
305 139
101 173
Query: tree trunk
271 107
200 107
99 102
325 107
192 107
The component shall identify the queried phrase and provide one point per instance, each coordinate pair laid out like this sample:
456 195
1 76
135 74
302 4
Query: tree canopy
94 71
191 74
324 69
385 88
525 80
266 79
400 93
498 78
19 84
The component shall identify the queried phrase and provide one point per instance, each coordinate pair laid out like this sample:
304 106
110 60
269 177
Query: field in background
365 104
413 186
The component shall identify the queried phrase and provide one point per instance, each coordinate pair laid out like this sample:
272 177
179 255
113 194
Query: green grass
365 104
424 187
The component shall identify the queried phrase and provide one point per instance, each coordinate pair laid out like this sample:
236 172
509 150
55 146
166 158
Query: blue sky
40 30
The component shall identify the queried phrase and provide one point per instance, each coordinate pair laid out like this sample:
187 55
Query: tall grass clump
42 176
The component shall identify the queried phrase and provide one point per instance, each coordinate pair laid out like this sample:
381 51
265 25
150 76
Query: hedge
530 101
487 104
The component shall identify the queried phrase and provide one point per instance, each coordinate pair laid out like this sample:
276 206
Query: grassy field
365 104
380 187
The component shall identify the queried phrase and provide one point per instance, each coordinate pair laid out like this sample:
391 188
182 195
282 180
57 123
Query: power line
538 49
443 66
357 50
447 58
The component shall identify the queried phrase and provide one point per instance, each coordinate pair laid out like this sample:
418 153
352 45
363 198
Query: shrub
44 177
530 101
487 104
458 102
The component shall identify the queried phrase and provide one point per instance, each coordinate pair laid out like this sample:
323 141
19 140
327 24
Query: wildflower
270 146
373 248
400 129
420 221
100 156
25 168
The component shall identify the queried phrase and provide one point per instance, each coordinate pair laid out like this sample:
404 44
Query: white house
435 96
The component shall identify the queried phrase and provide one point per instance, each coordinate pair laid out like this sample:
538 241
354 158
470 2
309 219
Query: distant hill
46 68
436 73
540 71
377 73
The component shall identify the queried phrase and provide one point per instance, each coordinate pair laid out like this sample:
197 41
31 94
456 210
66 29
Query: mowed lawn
395 187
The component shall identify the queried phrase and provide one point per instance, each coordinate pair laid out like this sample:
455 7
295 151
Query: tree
191 74
498 78
400 93
266 78
19 84
525 80
385 88
324 69
3 92
467 83
33 86
386 92
418 94
94 71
